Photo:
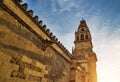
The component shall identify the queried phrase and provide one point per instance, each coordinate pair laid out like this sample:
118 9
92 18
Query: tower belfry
83 56
83 40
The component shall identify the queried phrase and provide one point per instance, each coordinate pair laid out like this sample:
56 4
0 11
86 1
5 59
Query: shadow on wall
18 31
56 67
41 58
29 36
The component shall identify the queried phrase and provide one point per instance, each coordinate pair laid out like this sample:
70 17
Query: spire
82 23
82 19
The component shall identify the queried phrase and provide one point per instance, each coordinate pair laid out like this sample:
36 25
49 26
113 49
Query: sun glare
104 76
108 80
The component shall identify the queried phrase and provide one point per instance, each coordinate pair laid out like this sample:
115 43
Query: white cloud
65 5
53 6
80 13
106 44
68 6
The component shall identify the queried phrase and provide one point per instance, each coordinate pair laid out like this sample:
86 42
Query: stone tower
83 68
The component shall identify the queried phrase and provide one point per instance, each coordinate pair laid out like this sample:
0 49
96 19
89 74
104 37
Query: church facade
29 52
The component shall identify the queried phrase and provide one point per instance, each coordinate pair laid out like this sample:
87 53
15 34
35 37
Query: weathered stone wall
59 69
19 53
25 55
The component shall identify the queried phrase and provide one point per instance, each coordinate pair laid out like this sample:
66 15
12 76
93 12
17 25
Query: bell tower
83 55
83 39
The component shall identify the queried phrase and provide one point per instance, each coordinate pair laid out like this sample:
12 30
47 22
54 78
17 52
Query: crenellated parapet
39 23
24 6
30 12
19 1
29 51
36 18
44 28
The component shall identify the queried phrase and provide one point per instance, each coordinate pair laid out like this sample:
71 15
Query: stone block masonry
28 51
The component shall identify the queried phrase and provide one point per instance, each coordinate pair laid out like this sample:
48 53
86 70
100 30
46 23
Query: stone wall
28 51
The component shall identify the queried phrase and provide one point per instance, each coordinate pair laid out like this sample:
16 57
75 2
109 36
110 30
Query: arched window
82 37
86 36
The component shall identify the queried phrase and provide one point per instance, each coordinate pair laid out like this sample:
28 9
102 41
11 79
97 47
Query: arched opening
86 36
82 36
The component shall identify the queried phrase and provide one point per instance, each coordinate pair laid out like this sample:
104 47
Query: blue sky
62 17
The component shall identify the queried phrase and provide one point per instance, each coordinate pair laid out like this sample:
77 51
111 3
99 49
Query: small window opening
82 29
82 36
86 36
